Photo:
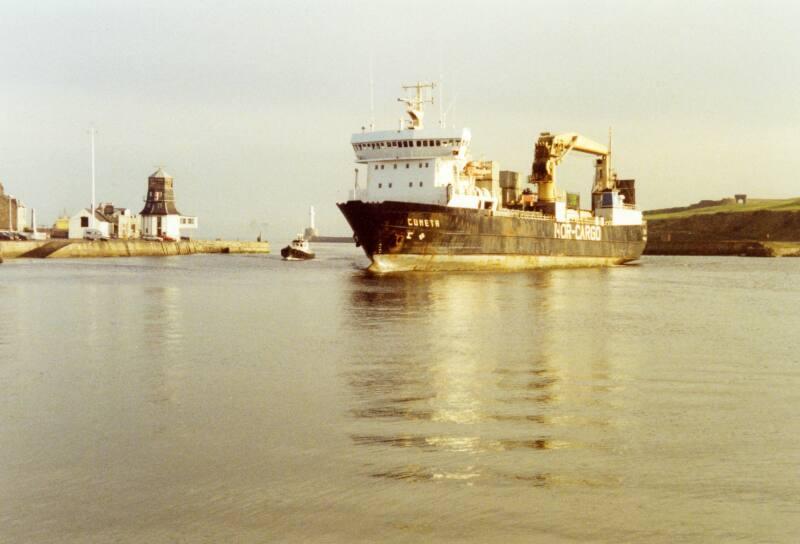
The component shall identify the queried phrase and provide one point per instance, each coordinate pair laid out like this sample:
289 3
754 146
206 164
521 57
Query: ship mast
415 103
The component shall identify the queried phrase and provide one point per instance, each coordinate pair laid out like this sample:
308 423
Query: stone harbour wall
67 249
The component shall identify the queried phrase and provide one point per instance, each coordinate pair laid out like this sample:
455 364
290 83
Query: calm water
245 399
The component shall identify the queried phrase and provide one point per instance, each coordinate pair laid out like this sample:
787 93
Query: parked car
94 234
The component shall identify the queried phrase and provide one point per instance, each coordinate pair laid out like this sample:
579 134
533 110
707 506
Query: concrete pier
67 249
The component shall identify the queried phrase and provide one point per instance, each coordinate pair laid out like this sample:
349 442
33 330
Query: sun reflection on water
444 372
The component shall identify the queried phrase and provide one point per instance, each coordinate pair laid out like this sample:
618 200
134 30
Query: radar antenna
415 102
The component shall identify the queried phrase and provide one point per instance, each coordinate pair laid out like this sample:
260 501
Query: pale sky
250 105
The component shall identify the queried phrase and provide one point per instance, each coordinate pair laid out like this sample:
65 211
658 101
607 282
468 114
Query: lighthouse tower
311 230
160 217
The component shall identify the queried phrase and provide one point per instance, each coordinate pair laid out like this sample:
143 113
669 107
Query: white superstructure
418 164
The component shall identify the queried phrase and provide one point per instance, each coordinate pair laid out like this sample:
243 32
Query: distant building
60 227
740 199
160 217
81 221
23 218
9 211
123 223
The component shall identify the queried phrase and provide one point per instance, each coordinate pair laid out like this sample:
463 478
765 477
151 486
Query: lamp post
92 131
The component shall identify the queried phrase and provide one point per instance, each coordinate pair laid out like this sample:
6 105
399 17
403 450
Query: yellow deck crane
551 149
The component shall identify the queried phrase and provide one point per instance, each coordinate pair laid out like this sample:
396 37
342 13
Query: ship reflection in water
447 388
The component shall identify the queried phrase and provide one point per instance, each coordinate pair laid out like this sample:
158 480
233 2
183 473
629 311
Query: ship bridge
415 163
429 143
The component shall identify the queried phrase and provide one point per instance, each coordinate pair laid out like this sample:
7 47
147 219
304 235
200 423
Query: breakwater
68 249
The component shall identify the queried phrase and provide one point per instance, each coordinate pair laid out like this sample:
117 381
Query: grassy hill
728 205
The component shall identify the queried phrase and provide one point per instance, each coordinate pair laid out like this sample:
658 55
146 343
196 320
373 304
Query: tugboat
428 205
298 250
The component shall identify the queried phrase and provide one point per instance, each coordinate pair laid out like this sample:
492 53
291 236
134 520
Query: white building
124 224
81 221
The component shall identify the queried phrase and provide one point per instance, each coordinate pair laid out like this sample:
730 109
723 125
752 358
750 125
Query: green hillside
727 205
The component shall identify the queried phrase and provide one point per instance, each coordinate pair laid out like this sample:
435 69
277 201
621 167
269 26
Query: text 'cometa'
423 223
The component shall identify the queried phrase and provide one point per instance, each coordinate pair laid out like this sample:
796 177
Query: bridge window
426 165
390 186
420 184
420 165
419 143
395 166
381 167
410 184
438 143
425 143
408 165
380 186
376 167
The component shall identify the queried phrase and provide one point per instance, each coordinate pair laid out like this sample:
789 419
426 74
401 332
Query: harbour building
82 221
10 208
160 216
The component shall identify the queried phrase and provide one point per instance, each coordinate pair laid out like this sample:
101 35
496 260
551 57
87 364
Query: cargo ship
428 206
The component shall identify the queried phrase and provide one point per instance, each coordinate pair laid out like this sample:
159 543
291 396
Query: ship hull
293 254
402 236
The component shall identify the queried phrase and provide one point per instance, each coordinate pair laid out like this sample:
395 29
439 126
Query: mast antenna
442 123
415 103
371 97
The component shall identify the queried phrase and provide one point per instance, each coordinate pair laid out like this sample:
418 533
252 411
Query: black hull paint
290 253
408 236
